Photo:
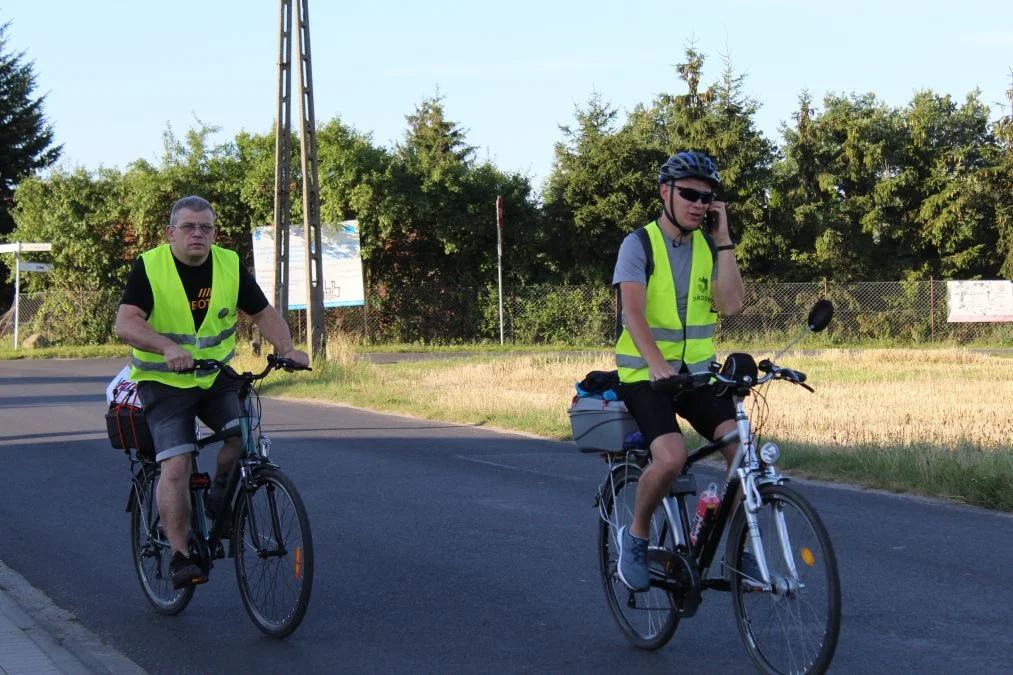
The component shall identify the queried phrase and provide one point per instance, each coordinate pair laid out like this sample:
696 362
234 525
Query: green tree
85 217
26 139
720 121
951 148
427 216
996 181
603 185
870 192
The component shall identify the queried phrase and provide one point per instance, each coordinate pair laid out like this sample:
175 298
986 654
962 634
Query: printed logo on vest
203 299
703 292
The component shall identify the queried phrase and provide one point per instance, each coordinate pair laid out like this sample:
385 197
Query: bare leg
227 455
173 497
669 456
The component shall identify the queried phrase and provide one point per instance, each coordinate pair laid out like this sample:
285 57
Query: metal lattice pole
310 192
282 160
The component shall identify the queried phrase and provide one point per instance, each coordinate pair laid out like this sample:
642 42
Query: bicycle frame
745 470
254 452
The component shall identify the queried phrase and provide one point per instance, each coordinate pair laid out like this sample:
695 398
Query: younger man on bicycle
179 305
668 328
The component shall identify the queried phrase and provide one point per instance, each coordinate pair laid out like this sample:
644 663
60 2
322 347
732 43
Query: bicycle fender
131 497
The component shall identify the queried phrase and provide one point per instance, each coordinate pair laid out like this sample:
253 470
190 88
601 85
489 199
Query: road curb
25 611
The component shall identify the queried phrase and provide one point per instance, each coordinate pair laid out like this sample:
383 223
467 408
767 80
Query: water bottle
706 507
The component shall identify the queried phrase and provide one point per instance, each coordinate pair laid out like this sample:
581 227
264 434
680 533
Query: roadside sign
17 248
34 267
23 246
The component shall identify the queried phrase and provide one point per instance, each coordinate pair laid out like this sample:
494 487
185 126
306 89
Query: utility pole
282 163
310 186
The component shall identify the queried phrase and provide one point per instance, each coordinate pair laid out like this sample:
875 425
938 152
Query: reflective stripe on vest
692 343
172 317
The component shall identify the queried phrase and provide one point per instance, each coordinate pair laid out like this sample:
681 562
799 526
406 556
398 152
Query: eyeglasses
193 228
691 195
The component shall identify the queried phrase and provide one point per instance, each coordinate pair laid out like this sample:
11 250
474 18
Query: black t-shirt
197 284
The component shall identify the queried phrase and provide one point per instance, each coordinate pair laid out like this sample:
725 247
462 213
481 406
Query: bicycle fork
753 502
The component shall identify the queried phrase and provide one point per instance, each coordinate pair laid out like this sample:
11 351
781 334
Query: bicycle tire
152 553
273 507
648 619
785 618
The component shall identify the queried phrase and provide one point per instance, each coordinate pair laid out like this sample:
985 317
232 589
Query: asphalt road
452 549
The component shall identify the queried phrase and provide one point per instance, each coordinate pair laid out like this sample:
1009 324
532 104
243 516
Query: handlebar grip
672 385
285 364
201 364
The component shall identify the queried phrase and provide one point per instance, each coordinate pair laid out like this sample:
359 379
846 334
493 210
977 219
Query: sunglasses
691 195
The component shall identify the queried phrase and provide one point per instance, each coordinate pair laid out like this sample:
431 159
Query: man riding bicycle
671 275
180 304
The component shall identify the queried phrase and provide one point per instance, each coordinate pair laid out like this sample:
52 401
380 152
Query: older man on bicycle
671 274
180 304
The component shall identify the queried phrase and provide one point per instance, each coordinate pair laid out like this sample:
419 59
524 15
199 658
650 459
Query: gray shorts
170 412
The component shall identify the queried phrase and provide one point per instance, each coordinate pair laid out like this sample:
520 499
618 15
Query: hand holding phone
715 222
710 221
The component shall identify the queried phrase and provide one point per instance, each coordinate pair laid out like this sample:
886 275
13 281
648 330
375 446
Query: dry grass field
935 422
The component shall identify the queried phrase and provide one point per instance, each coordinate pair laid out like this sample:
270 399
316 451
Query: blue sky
117 73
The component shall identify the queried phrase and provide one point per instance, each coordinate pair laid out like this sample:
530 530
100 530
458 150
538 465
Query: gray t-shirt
631 265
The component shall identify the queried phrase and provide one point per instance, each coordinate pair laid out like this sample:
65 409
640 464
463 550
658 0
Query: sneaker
185 572
632 566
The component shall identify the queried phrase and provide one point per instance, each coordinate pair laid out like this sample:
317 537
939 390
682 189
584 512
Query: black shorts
170 412
655 413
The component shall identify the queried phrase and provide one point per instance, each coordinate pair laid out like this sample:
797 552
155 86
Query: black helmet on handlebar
740 367
689 165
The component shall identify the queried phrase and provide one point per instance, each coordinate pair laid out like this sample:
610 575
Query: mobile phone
710 222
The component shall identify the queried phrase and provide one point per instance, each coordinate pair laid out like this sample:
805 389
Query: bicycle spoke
152 552
274 556
793 627
647 618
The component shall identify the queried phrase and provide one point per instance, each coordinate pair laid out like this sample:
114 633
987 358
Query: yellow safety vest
692 344
171 317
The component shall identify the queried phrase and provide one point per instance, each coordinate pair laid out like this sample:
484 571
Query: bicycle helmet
689 165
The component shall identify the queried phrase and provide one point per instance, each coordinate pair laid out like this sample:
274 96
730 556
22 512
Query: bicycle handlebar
273 363
686 382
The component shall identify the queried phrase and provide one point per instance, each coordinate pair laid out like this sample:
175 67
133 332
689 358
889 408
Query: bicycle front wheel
274 553
648 619
151 550
793 627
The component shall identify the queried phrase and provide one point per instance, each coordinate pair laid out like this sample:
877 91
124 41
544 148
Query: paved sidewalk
38 638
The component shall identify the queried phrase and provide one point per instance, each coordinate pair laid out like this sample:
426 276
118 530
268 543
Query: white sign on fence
342 264
985 301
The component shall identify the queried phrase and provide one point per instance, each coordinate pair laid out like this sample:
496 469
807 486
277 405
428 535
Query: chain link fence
890 313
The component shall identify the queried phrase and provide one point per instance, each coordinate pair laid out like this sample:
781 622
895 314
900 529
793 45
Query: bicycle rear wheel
794 627
274 553
647 619
151 550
